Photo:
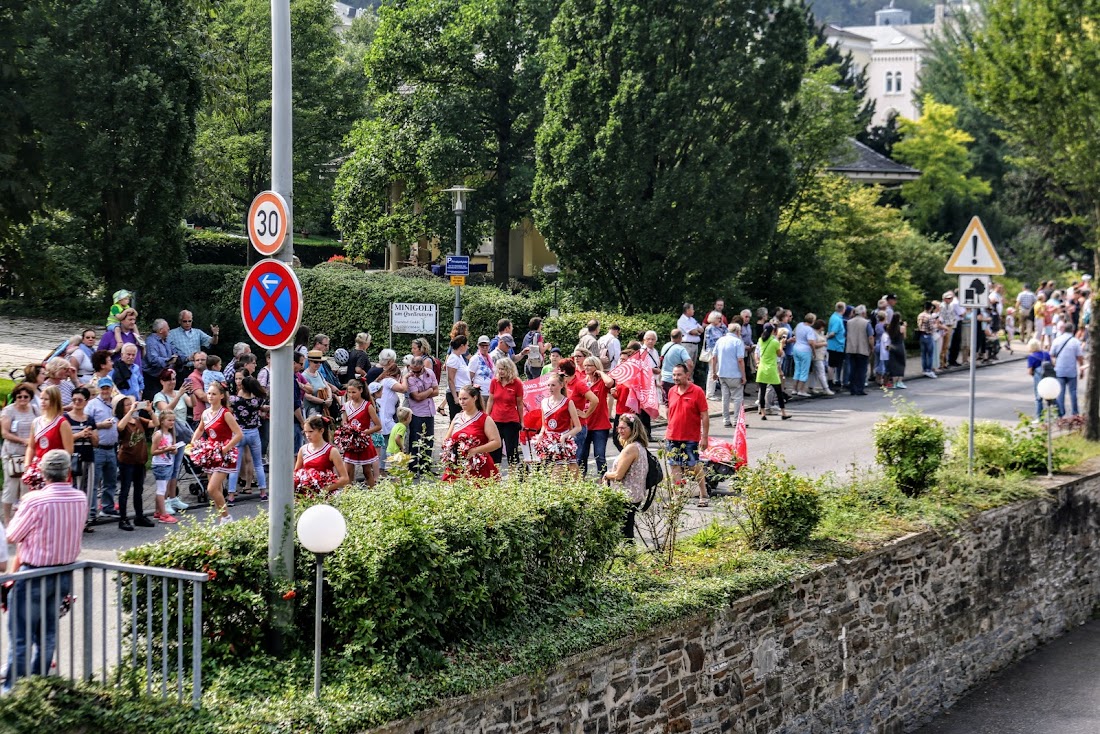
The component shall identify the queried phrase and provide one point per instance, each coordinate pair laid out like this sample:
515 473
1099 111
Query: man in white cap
950 321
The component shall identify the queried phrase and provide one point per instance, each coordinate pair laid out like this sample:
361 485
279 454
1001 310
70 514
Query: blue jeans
1071 383
422 433
598 441
1035 390
33 601
106 478
251 442
299 437
926 349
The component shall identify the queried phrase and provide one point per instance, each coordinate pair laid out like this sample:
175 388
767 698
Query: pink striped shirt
49 525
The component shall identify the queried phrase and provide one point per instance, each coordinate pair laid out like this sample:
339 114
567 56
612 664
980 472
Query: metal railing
101 620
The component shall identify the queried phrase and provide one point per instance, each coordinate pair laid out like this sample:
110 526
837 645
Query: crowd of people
117 401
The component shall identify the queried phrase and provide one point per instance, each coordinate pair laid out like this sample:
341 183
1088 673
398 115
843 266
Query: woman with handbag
631 466
85 439
16 421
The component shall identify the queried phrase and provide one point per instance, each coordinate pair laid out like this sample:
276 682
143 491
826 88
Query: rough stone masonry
878 644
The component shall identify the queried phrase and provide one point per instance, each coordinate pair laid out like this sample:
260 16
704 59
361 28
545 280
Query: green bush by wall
422 566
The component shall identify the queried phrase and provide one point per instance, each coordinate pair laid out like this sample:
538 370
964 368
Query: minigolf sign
975 254
271 304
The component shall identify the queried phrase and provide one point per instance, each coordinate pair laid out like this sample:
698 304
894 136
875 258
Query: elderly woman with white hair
59 373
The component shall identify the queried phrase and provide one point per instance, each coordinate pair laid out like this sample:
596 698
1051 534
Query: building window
897 82
889 82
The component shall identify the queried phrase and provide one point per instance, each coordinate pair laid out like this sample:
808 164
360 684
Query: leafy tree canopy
937 147
661 161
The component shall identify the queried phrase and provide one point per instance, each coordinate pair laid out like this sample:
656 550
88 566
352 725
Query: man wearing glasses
187 340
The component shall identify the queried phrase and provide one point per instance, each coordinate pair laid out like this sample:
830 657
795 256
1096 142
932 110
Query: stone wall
877 644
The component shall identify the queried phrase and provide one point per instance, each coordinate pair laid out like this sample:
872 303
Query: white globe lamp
321 530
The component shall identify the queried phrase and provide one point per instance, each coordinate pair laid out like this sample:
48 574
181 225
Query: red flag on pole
635 373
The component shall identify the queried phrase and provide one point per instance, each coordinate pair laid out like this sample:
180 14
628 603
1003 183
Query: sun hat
119 295
315 355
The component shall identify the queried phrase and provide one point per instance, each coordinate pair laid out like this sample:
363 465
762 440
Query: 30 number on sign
268 221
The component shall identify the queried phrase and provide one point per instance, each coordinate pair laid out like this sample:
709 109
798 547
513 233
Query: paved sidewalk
25 340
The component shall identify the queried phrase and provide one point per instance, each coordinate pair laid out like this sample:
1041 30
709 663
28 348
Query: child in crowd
164 462
400 430
213 372
122 300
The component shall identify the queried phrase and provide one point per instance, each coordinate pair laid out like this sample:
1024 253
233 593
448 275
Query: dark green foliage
454 88
777 508
206 247
909 446
661 164
422 567
19 175
115 88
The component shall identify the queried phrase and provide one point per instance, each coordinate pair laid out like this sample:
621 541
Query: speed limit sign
268 222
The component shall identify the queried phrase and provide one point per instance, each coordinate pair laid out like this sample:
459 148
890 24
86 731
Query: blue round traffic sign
271 304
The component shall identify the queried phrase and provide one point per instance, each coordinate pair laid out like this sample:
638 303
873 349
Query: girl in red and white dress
217 424
360 418
560 423
470 438
319 468
48 431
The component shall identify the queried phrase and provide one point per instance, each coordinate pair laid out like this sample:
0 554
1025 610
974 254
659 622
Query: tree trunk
501 254
1092 393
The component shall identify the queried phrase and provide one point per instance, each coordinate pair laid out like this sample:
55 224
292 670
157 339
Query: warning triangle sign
974 254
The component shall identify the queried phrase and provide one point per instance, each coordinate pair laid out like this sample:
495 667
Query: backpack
653 477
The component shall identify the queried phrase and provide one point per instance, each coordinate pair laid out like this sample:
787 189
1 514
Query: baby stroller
722 459
193 478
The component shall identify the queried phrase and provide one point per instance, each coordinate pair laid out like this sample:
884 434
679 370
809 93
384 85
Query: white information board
413 318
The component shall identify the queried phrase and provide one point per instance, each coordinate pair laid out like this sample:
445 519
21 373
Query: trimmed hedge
422 566
206 247
563 331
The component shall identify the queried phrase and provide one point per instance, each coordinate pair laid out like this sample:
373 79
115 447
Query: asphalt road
1052 691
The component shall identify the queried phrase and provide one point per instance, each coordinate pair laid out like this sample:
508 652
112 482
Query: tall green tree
115 92
19 180
661 160
934 145
454 90
1034 65
233 154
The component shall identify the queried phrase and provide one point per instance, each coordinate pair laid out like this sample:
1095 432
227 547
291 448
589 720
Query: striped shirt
49 525
1025 300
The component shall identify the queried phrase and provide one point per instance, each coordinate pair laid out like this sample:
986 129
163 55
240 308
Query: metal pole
280 549
973 382
458 251
317 627
1050 446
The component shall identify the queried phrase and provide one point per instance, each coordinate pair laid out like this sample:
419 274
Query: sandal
702 503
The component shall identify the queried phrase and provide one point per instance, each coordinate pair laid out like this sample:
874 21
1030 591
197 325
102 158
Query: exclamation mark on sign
974 246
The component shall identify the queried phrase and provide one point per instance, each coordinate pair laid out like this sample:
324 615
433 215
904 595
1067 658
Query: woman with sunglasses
631 466
85 439
81 356
16 420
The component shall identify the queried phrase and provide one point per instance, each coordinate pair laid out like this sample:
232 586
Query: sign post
458 267
280 545
974 261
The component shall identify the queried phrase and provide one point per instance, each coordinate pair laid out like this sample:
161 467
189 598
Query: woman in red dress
471 438
560 423
319 469
48 431
218 426
360 421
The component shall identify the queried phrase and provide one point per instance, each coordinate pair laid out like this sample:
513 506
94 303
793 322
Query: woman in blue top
715 330
805 339
1035 368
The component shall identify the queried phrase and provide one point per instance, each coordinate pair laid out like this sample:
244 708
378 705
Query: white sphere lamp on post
321 530
1049 388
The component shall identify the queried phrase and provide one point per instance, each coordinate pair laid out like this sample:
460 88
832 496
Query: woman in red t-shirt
599 420
505 407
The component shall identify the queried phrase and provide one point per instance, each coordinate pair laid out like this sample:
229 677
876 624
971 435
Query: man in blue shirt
187 340
729 353
106 461
673 354
834 341
160 355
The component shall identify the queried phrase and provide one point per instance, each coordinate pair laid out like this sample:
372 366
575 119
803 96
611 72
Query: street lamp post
458 203
1048 389
553 270
321 530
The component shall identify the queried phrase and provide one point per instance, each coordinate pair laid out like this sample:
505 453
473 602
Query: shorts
682 453
836 359
164 472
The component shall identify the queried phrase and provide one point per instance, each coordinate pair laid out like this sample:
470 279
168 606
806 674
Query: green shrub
211 247
422 567
909 447
777 508
563 330
999 449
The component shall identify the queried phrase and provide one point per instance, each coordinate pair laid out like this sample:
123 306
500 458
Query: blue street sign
458 265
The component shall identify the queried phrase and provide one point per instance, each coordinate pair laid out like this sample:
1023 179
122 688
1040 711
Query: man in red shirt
576 388
688 429
48 529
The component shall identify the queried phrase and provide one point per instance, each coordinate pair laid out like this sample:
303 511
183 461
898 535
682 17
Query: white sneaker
933 375
900 385
829 392
168 509
178 504
225 519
